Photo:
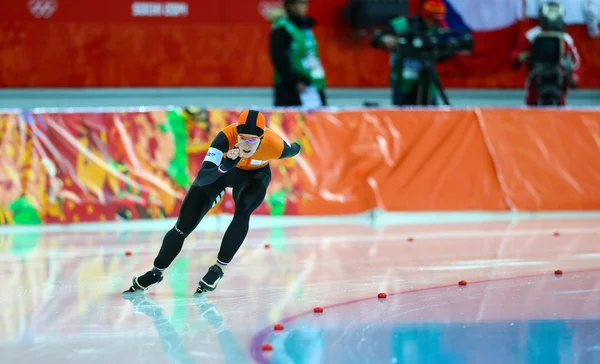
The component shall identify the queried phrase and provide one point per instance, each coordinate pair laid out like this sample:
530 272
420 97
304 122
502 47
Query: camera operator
568 66
406 72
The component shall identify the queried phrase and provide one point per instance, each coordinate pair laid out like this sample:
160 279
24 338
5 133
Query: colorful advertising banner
68 167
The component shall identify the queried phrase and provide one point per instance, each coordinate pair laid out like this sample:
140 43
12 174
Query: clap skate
211 279
143 282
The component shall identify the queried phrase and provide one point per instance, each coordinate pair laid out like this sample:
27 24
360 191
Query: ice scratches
579 291
481 264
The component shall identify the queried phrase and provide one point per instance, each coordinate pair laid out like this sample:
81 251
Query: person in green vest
406 70
299 74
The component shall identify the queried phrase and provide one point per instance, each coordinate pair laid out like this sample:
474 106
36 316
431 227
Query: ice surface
61 302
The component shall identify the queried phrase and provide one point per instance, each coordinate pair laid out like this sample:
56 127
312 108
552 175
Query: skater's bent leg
195 205
248 194
233 238
248 200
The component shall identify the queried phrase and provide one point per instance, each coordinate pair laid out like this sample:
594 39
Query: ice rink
61 302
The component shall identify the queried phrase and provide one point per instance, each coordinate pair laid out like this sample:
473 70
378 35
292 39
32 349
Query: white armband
214 156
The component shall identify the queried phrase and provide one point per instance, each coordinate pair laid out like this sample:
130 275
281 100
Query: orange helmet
251 122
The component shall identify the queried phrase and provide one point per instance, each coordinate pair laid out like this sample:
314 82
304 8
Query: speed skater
239 158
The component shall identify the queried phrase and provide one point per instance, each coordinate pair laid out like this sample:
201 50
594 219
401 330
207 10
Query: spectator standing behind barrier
299 73
405 72
551 20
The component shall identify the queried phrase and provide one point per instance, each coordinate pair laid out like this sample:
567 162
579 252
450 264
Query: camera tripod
428 77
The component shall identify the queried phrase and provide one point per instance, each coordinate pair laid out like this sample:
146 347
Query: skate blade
200 292
132 292
134 289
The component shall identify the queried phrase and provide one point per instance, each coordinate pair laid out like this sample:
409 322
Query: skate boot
209 282
141 283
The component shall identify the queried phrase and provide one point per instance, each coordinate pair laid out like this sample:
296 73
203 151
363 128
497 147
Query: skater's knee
242 215
250 201
244 210
195 206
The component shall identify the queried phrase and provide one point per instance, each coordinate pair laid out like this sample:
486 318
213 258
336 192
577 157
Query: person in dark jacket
294 53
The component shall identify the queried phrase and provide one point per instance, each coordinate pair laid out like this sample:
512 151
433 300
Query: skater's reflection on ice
175 350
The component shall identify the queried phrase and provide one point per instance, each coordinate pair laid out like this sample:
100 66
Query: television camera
426 47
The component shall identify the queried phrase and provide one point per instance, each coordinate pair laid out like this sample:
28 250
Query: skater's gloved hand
234 153
233 158
290 150
296 147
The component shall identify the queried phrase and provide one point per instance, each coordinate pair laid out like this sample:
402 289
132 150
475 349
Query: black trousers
249 191
409 98
286 95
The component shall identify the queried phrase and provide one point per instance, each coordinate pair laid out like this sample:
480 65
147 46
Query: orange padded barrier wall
63 167
546 160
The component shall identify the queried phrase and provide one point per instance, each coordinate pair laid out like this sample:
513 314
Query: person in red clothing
521 55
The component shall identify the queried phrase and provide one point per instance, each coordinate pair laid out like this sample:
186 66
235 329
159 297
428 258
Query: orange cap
435 9
251 122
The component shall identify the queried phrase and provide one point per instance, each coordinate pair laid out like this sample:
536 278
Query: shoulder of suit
535 31
271 136
532 33
229 128
230 132
285 23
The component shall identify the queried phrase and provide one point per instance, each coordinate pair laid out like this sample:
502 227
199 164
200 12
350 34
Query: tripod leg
438 85
423 86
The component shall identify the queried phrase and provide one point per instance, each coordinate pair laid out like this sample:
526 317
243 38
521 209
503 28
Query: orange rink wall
62 167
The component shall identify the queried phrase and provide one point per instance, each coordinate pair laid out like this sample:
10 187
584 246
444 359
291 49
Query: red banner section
72 167
118 43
